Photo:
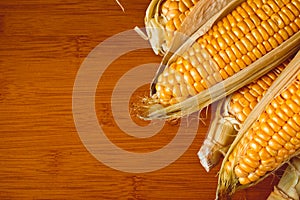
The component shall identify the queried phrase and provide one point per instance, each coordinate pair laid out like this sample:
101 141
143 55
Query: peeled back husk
221 134
227 182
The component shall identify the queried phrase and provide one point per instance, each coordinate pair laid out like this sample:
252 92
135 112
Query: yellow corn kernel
271 139
237 40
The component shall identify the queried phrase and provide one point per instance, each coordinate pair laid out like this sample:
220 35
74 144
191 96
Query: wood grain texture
42 45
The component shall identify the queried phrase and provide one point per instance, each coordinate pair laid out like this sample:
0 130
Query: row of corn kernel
183 79
249 32
243 101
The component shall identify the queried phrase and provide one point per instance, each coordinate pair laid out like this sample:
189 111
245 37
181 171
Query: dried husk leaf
157 33
155 30
228 183
288 186
222 131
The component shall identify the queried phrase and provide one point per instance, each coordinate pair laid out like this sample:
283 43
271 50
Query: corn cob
264 143
165 17
288 187
230 114
234 42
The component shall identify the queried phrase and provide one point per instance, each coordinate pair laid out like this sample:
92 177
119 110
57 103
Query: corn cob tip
145 106
227 184
223 196
224 193
148 107
154 108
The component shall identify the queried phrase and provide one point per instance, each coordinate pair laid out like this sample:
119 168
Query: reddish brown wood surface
42 46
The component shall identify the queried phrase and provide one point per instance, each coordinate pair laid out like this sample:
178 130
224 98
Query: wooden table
43 45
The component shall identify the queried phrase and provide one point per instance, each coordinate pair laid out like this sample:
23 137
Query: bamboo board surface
42 47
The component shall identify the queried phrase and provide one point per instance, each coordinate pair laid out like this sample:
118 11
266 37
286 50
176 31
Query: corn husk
157 34
221 133
228 183
288 187
225 87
